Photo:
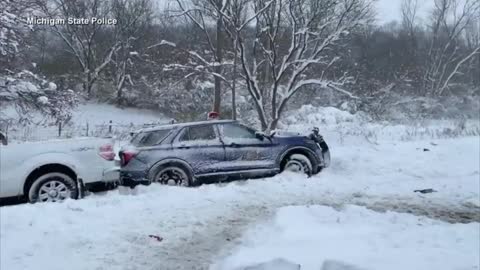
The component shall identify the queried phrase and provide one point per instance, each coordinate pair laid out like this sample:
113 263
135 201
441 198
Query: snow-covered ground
203 227
376 167
319 237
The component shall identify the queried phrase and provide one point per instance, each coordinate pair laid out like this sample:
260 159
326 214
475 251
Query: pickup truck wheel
172 176
52 187
299 163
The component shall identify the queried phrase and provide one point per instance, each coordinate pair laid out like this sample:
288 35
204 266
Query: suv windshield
149 138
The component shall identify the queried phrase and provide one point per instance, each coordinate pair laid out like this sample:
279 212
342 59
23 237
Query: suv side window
236 131
149 138
198 133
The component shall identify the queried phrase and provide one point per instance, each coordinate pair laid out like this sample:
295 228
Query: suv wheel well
297 151
44 169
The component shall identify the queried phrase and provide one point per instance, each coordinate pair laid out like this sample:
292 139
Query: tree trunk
234 83
120 96
87 85
218 69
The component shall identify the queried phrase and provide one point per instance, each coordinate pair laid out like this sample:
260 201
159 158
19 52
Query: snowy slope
346 128
91 118
200 226
316 236
102 113
98 113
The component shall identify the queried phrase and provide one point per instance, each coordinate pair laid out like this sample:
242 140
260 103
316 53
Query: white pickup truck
54 170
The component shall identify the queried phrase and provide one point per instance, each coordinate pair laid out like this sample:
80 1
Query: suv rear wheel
173 176
299 163
52 187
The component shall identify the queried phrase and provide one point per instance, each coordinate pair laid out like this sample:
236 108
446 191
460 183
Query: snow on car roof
178 125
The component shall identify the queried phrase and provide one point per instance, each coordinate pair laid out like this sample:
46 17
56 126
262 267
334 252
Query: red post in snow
213 115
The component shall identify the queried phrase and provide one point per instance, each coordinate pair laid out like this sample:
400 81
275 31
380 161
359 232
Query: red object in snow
213 115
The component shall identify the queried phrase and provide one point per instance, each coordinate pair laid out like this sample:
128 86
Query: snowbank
344 127
313 235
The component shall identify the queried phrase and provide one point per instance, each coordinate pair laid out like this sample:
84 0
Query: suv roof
188 124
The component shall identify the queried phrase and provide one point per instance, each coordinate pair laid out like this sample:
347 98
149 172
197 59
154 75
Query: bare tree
203 13
449 21
20 88
133 16
80 38
13 28
409 10
313 29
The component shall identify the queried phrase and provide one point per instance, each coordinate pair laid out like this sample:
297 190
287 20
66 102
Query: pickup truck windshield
149 138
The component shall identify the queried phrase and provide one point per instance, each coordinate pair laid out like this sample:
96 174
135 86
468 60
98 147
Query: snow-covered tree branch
28 93
314 28
80 38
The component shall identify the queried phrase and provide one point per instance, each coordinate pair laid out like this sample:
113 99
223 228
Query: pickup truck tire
52 187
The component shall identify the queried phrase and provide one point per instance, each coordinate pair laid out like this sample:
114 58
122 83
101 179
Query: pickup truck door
10 185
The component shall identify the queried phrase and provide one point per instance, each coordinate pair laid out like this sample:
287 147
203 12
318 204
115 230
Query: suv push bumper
132 179
326 158
111 175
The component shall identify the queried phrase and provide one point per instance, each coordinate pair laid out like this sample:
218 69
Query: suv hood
286 133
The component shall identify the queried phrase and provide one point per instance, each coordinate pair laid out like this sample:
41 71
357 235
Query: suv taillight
106 152
126 156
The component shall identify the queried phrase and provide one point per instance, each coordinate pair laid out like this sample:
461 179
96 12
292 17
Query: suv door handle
234 145
183 147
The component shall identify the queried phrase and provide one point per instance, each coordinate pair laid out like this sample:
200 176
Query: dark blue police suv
217 150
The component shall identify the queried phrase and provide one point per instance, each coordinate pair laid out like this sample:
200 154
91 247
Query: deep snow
311 236
200 226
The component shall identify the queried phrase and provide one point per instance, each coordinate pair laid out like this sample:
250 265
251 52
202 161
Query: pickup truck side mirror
3 139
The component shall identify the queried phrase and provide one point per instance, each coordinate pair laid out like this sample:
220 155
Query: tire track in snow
219 235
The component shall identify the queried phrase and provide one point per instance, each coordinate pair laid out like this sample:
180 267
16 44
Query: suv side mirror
260 136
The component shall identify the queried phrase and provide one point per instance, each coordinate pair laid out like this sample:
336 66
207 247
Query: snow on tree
203 13
9 36
274 75
21 89
80 39
449 24
12 26
29 94
133 17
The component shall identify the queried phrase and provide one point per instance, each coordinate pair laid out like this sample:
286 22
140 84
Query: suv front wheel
298 163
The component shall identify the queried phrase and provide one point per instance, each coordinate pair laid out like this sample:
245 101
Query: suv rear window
149 138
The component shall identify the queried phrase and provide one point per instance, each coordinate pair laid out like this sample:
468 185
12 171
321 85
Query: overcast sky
389 10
